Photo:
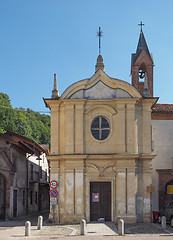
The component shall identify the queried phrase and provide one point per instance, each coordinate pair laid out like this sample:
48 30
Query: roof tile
163 108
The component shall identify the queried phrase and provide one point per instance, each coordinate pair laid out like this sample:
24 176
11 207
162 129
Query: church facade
101 145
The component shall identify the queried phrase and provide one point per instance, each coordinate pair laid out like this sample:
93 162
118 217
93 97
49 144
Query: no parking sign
53 193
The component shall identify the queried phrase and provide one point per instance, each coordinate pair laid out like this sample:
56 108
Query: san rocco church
101 145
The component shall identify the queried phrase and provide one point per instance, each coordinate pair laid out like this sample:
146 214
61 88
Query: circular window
100 128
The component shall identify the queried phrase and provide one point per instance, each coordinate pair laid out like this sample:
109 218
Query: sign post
53 196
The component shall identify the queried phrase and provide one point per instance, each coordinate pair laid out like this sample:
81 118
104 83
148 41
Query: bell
141 74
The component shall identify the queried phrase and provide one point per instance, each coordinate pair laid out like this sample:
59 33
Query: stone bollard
40 223
27 228
82 227
120 227
163 222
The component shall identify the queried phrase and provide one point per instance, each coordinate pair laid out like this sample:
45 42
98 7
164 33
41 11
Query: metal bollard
27 228
163 222
83 227
40 223
120 227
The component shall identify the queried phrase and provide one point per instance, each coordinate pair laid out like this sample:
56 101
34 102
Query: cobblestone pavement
95 231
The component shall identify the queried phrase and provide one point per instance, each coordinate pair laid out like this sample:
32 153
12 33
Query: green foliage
27 123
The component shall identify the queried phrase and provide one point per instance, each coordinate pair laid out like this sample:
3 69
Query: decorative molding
103 106
101 169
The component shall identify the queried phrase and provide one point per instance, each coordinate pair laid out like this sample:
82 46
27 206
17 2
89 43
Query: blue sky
41 37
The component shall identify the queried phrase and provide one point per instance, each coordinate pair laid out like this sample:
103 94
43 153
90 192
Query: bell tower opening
142 72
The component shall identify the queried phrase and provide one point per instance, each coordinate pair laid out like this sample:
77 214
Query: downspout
27 184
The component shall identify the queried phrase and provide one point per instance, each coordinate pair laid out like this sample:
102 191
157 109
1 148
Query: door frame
87 199
101 204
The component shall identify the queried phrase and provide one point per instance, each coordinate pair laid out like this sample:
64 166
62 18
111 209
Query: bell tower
142 67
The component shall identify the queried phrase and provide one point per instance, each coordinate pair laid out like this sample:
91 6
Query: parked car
167 211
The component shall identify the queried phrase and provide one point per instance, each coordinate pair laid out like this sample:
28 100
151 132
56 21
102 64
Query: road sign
53 201
53 184
53 193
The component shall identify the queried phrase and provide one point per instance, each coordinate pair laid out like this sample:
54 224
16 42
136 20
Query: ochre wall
124 158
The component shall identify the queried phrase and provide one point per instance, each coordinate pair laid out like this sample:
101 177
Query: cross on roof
99 35
141 24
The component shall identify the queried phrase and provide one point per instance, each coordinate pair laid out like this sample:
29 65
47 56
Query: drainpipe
27 183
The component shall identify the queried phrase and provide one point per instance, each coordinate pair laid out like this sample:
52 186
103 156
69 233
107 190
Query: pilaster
125 190
79 128
147 181
121 128
146 128
143 197
54 129
131 127
69 128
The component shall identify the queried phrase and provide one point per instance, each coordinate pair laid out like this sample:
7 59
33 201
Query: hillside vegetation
27 123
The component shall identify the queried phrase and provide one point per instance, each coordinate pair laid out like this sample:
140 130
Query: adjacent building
24 176
162 145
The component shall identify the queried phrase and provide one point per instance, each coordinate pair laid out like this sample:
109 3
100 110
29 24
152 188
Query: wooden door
14 203
2 197
100 201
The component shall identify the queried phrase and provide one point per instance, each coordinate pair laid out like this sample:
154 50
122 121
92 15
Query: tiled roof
44 145
163 108
24 143
46 148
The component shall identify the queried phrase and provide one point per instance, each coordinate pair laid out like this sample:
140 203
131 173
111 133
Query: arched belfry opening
142 72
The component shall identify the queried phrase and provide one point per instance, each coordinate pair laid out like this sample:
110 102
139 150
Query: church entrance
100 201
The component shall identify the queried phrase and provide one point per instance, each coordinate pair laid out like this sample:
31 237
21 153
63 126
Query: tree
27 123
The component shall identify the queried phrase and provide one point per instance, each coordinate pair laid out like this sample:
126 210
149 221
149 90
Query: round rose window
100 128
